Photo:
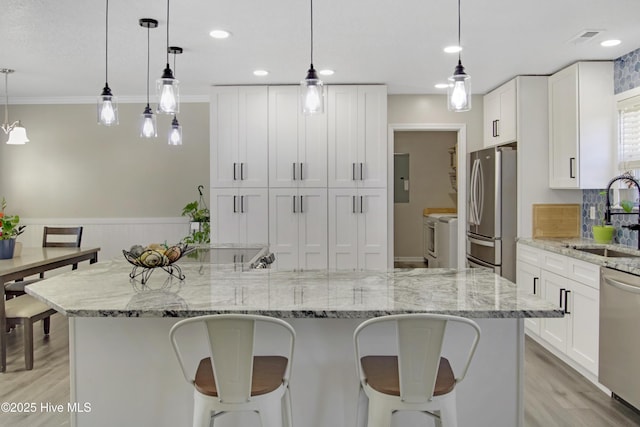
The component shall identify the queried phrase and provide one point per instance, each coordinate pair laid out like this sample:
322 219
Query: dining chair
414 375
232 377
52 237
26 310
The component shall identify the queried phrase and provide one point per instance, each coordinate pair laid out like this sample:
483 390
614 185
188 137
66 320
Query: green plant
199 217
10 227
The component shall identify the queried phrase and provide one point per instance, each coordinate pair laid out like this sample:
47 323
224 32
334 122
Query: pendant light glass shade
18 135
148 127
107 107
311 90
167 86
107 103
459 90
175 132
312 93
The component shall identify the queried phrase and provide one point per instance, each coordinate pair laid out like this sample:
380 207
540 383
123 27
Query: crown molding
93 100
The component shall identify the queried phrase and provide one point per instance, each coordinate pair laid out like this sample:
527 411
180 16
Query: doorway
429 184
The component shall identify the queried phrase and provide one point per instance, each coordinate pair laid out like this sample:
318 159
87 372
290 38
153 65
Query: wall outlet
592 212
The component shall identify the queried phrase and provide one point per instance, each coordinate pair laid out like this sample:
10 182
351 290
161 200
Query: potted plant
199 221
10 228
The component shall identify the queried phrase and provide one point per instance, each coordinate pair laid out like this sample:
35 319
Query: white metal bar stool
232 378
417 377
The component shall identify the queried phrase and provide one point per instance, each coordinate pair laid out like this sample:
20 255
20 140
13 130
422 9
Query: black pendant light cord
106 43
148 60
311 33
459 45
168 33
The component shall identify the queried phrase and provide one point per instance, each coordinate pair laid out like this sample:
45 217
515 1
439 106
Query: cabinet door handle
497 127
301 171
235 210
294 203
241 204
571 162
535 282
294 171
353 171
301 205
566 306
353 204
361 176
562 291
234 171
493 128
242 171
361 204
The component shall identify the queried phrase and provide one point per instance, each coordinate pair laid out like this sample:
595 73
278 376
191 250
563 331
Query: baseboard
408 259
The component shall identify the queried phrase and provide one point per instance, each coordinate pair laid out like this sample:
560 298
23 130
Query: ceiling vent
584 36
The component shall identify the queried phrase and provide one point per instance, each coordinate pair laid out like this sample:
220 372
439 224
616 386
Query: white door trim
461 129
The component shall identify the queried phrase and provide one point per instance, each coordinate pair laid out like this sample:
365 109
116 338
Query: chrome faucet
608 213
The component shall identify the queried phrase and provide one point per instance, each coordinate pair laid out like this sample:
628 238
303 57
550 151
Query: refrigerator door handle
472 202
480 206
489 244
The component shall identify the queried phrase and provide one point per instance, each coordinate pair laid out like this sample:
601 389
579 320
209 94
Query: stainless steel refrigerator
491 222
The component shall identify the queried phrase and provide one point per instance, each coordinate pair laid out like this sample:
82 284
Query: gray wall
72 167
429 185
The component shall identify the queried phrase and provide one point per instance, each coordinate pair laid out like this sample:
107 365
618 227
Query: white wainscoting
112 235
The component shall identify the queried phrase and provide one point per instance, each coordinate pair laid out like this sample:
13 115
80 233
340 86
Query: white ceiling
57 47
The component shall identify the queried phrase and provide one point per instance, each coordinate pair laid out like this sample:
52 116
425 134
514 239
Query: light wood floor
555 395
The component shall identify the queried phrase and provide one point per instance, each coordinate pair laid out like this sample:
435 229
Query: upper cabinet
239 135
500 115
581 126
297 143
357 136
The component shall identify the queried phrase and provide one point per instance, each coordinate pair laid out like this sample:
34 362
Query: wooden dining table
30 262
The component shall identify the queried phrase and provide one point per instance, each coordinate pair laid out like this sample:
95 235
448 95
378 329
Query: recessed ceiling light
326 72
260 73
220 34
609 43
441 86
453 49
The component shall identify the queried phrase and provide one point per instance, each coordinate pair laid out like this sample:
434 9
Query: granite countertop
105 290
566 246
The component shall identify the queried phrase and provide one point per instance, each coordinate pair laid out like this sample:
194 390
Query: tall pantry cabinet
318 195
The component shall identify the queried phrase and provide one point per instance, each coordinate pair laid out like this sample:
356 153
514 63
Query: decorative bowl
149 259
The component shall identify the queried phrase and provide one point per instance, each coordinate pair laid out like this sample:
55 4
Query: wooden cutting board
556 220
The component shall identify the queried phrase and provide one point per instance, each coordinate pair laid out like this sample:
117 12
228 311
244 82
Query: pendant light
107 103
17 134
459 90
312 98
175 131
167 85
148 128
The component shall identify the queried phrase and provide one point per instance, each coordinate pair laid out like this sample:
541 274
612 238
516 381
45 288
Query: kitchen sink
606 252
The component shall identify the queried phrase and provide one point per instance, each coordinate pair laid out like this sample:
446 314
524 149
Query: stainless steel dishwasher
620 335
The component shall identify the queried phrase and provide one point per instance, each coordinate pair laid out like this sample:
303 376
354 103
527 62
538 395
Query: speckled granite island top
105 290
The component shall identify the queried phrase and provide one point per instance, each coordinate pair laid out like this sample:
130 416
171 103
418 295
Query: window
629 134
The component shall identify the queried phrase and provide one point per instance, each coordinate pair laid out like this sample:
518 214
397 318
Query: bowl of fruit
146 258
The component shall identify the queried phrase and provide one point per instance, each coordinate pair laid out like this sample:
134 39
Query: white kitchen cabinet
297 142
298 228
239 135
500 115
573 286
528 281
357 229
357 136
239 215
581 126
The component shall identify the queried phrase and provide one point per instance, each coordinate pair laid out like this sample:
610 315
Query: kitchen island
123 366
